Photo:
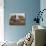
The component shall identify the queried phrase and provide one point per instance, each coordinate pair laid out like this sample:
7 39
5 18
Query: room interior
24 31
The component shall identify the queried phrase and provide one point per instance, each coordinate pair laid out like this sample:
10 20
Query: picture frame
17 19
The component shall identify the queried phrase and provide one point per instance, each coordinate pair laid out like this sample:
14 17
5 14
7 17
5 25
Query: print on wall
17 19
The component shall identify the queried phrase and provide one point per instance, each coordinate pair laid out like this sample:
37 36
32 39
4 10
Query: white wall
1 21
43 6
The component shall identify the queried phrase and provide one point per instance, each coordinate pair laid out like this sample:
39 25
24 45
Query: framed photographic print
17 19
